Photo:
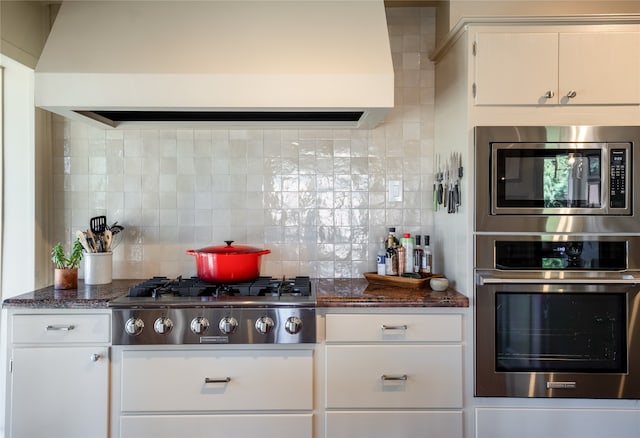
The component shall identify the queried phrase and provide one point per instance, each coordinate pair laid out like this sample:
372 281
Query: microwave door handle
491 279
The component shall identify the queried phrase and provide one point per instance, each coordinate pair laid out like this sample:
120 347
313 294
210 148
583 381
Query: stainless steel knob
163 325
228 325
549 94
571 94
199 325
264 325
293 325
95 357
134 326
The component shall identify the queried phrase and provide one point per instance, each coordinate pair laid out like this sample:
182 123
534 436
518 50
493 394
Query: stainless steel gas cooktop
189 311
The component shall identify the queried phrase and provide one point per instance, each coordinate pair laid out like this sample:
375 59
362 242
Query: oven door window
548 178
561 332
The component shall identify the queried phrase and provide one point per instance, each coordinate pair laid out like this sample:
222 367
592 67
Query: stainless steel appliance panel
213 325
557 315
485 252
600 192
567 340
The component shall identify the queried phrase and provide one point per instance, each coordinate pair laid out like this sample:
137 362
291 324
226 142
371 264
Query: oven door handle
491 279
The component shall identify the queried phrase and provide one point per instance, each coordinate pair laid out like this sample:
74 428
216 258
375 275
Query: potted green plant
66 267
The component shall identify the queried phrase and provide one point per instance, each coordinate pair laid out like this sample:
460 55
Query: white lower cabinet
557 423
393 375
396 424
219 425
58 382
227 393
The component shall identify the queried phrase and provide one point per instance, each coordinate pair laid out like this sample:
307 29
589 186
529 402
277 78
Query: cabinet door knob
549 94
571 94
95 357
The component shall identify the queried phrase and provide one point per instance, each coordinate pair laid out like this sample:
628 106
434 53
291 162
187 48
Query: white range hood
303 63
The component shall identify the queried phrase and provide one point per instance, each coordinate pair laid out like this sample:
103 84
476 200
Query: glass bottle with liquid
381 259
407 243
391 245
402 259
427 258
417 255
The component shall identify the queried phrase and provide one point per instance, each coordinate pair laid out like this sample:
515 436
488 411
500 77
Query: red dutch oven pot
228 264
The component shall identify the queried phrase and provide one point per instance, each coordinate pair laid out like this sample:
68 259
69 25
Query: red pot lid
232 249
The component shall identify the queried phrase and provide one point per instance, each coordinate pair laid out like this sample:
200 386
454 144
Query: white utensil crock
98 267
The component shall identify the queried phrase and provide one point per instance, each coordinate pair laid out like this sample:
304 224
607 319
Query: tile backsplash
316 198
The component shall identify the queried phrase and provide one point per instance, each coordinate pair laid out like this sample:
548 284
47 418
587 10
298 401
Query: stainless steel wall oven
557 316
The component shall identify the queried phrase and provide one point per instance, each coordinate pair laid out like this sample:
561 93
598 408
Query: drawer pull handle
65 328
223 380
394 327
386 377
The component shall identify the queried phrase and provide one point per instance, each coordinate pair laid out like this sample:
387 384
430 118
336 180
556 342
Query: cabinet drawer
355 376
220 380
393 328
61 328
396 424
536 423
217 426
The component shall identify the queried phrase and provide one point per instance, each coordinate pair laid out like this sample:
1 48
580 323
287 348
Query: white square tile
167 200
150 183
132 166
133 200
168 217
133 183
150 201
97 183
133 143
114 165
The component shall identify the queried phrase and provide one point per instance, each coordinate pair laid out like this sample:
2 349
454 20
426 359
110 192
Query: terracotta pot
228 264
65 278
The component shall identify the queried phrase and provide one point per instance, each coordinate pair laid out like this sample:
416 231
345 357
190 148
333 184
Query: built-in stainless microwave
557 179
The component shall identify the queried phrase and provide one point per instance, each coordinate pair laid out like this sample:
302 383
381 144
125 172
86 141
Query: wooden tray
392 280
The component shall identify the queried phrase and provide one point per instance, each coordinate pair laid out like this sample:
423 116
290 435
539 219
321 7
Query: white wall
18 220
24 26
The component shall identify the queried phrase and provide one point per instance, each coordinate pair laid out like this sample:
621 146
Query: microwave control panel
617 178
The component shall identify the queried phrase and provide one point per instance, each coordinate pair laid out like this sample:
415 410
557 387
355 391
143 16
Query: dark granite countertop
354 292
85 297
357 292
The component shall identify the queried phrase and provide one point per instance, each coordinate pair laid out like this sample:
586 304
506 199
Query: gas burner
295 287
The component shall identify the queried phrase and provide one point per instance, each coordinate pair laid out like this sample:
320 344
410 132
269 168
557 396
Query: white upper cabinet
601 68
516 68
536 67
